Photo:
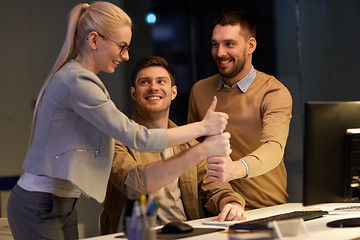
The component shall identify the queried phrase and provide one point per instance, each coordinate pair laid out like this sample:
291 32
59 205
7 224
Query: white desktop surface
317 227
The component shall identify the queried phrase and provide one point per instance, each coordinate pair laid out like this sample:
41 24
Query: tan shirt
170 204
128 180
258 122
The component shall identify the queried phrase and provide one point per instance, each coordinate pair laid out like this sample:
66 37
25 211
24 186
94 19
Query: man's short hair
151 61
238 17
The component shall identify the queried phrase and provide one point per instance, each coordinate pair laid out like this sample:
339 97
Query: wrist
198 129
202 150
197 153
239 170
226 200
202 128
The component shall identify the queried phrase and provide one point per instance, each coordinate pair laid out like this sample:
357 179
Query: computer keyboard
261 223
352 208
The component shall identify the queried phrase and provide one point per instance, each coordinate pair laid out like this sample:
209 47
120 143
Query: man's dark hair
149 62
238 18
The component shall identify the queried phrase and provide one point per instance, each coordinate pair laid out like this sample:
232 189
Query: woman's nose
125 56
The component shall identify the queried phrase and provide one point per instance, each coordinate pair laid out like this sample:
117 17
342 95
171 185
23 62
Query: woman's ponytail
68 52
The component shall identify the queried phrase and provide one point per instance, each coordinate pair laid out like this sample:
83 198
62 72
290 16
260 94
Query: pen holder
140 228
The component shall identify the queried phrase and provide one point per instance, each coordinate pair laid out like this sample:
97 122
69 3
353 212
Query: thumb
213 105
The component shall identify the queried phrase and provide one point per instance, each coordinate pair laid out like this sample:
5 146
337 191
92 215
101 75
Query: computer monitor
331 156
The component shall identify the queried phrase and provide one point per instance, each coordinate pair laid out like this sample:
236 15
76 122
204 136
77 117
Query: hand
217 145
231 212
221 169
214 122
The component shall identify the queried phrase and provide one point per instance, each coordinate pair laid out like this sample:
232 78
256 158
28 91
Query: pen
152 205
143 204
136 212
145 224
152 209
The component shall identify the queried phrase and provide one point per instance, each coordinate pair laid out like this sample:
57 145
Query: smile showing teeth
153 98
116 62
224 61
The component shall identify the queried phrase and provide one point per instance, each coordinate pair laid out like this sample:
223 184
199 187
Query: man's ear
132 93
251 44
174 92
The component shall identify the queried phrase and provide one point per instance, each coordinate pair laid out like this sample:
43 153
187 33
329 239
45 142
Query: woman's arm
161 173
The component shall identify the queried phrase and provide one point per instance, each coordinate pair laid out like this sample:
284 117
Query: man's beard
234 72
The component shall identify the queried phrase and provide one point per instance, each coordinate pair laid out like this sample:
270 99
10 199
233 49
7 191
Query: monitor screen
328 157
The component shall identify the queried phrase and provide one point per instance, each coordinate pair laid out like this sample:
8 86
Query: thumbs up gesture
214 122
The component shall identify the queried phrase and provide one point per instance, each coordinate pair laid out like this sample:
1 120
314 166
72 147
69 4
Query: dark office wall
326 68
331 37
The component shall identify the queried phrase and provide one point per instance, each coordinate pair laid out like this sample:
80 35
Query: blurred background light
150 18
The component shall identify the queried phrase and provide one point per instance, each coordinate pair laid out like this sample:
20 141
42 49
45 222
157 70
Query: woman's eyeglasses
122 46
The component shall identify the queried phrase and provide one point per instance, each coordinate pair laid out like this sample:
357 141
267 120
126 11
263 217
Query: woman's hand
214 122
217 145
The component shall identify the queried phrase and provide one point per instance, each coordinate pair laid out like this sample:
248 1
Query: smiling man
259 109
178 174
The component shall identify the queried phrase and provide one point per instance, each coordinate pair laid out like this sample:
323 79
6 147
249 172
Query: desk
317 227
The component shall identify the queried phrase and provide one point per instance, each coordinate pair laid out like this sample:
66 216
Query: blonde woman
71 146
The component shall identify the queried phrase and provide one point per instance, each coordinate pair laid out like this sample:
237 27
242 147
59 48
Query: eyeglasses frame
122 46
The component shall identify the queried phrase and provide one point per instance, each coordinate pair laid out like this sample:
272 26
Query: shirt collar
243 84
